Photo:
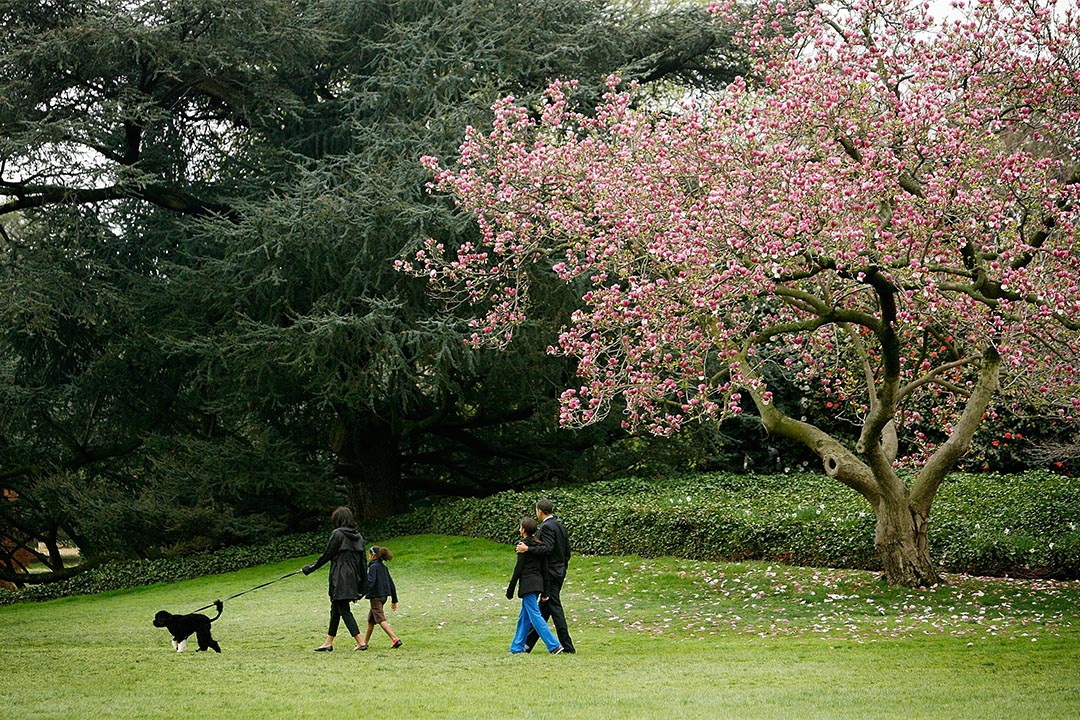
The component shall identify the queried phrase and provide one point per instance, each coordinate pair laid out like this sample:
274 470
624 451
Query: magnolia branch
889 441
933 376
945 457
809 302
838 461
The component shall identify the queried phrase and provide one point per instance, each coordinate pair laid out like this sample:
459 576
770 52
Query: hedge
119 575
984 524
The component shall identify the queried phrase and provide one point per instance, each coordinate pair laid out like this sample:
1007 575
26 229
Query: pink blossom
891 178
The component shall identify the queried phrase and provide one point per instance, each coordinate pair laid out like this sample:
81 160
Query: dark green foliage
203 339
119 575
1018 525
200 206
301 318
1012 441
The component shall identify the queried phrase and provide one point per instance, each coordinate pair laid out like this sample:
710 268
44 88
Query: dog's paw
181 646
174 644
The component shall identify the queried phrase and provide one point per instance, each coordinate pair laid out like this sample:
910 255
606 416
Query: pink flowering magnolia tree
888 210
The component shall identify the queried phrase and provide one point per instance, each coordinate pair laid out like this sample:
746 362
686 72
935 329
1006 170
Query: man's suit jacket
555 544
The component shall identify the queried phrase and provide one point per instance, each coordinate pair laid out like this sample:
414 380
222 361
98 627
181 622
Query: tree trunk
901 535
370 463
901 542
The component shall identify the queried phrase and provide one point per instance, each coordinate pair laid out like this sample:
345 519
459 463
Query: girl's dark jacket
530 573
379 582
348 564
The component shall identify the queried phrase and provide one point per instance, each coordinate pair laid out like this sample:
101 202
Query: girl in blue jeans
530 577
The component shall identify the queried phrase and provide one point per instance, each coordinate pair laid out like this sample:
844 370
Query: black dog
182 626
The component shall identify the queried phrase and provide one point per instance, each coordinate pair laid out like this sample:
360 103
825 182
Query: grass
656 638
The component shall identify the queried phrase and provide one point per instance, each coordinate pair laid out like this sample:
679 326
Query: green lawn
658 638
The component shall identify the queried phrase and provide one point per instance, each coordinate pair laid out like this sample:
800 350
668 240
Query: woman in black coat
531 577
348 575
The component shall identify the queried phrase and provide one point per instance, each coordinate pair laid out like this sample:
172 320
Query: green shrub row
133 573
984 524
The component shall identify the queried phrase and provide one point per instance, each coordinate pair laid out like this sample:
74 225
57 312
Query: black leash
206 607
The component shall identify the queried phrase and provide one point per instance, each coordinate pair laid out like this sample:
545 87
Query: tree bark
900 536
900 539
370 463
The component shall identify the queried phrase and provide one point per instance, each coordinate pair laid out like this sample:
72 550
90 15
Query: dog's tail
220 606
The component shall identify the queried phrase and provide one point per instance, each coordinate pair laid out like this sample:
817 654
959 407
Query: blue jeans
530 617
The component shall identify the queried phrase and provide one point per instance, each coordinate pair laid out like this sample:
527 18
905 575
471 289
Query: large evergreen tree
317 308
201 203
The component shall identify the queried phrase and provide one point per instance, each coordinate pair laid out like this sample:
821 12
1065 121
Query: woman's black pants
342 610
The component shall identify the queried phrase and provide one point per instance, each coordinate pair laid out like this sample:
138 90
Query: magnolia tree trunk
900 536
902 512
901 542
370 463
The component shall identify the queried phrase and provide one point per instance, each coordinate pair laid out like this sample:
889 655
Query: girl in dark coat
380 588
348 574
531 578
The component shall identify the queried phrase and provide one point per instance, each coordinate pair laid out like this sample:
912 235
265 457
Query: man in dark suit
555 544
